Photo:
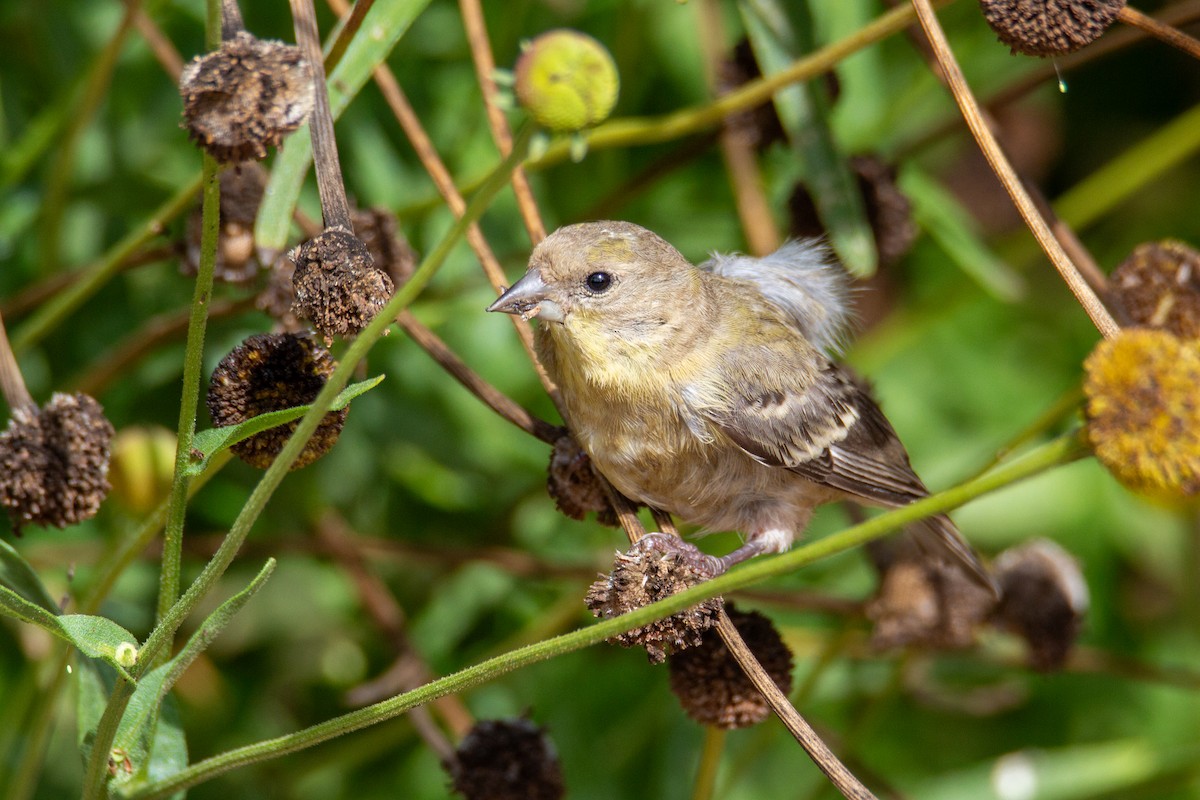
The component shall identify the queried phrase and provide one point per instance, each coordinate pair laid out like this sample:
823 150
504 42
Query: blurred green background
967 345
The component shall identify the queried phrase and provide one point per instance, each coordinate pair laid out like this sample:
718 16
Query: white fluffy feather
804 280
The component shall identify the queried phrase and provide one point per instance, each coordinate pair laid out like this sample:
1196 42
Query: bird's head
603 276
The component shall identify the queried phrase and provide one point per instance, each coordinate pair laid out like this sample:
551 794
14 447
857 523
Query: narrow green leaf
383 26
16 574
938 213
95 637
780 33
208 443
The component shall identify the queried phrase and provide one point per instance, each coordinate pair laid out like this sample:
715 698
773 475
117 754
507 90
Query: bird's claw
688 553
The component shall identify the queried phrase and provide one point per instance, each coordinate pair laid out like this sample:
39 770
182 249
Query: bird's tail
940 539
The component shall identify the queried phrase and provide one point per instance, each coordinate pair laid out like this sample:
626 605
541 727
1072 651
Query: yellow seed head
1143 410
567 81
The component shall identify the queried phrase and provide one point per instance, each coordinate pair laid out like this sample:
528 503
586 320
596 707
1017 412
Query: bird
711 391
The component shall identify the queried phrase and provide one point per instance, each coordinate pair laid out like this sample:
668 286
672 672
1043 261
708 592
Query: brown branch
335 208
353 23
821 755
492 397
485 66
1160 30
231 19
162 48
1063 233
754 212
1000 164
12 383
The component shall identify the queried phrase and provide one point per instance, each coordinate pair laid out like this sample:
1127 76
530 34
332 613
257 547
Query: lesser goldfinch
707 392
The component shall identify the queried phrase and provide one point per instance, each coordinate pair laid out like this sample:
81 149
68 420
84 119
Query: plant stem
193 363
1160 30
1008 177
1060 451
710 760
221 560
96 773
12 383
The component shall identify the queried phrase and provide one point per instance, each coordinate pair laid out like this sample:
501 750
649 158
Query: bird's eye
599 282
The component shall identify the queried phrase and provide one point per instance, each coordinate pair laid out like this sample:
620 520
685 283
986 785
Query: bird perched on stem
707 392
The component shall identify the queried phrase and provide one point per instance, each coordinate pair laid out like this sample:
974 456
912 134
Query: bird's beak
527 297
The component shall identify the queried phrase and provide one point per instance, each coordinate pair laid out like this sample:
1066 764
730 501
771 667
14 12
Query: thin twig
335 208
821 755
754 212
1160 30
492 397
231 19
1004 171
162 48
12 383
349 29
1070 242
485 67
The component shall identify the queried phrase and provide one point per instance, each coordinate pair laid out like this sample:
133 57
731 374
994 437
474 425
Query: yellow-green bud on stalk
567 80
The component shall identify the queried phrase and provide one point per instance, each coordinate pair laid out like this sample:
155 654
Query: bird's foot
709 566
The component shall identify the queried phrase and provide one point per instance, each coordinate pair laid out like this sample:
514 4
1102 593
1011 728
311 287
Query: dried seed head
507 760
337 285
567 80
573 485
245 97
1049 27
277 296
714 690
1143 410
241 193
757 127
889 212
1043 598
271 372
390 251
924 602
54 462
1158 286
641 576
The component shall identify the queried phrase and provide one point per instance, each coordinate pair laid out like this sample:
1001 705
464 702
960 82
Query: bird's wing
820 424
826 428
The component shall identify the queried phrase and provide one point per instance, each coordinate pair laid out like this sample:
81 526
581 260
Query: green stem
96 775
50 315
193 363
1059 451
165 630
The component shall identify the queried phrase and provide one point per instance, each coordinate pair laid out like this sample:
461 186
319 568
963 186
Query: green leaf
938 213
208 443
383 26
149 732
95 637
780 33
16 574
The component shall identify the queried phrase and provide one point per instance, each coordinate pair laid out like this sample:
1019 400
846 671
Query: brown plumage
706 392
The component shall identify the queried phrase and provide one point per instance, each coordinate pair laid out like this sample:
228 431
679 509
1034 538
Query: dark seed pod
923 602
245 97
241 193
54 462
390 251
714 690
507 760
337 285
1049 27
1158 286
1043 599
641 576
573 484
271 372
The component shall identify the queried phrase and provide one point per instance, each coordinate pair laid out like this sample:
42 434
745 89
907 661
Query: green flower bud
567 81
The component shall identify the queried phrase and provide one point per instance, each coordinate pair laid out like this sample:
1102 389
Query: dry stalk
1000 164
1160 30
485 66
